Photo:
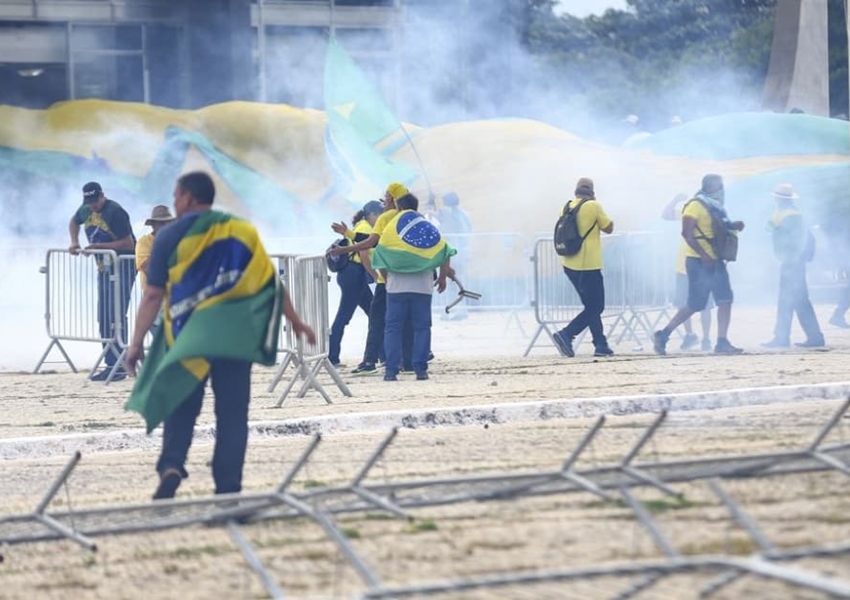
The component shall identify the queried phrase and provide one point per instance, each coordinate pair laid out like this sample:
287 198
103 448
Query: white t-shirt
415 283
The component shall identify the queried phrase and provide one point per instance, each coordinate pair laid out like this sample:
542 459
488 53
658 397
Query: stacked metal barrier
72 303
612 483
306 281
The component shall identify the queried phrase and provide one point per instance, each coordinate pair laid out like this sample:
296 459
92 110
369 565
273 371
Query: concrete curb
542 410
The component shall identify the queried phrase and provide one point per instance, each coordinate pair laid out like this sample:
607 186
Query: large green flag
359 124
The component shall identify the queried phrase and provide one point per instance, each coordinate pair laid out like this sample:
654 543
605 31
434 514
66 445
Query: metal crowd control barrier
306 281
86 300
492 264
611 482
637 288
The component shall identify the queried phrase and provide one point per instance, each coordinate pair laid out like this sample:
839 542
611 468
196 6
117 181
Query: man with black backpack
578 242
793 245
712 241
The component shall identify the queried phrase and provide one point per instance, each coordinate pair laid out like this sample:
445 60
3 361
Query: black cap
92 191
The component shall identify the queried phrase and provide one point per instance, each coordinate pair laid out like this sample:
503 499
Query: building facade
188 53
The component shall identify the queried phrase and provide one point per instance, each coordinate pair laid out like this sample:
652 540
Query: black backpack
340 261
567 238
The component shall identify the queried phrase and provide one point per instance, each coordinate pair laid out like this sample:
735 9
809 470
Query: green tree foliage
656 59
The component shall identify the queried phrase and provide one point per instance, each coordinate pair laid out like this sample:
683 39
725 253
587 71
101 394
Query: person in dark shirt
230 378
107 227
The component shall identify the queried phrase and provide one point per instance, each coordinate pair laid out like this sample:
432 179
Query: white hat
785 191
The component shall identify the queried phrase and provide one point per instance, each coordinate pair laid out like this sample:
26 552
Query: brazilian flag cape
222 300
410 244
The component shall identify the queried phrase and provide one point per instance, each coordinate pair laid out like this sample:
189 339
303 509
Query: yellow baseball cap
397 190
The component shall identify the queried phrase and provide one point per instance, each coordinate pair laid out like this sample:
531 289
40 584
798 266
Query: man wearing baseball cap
107 227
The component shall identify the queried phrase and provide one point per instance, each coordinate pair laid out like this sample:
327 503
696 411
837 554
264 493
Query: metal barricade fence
135 299
494 265
637 287
86 300
306 281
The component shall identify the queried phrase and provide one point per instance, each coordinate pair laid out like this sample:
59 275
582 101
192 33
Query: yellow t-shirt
695 210
591 218
378 229
143 253
361 227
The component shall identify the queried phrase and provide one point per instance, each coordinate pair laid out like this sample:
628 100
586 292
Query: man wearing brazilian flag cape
409 250
221 301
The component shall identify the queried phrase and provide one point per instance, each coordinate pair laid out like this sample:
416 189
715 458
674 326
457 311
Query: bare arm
74 231
298 326
608 229
689 229
148 309
125 243
670 213
369 242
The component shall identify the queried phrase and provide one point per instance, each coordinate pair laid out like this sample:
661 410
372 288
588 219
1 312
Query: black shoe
838 321
168 484
689 342
430 356
816 343
774 343
390 377
422 376
100 375
603 351
365 369
659 343
723 346
564 345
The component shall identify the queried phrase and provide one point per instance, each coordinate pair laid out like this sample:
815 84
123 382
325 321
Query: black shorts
680 296
704 281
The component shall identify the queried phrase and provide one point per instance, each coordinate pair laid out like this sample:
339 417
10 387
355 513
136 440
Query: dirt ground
542 533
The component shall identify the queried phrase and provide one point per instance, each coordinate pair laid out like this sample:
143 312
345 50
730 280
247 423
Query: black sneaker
168 484
689 342
816 343
723 346
390 377
603 351
659 343
365 369
564 345
422 376
430 356
100 375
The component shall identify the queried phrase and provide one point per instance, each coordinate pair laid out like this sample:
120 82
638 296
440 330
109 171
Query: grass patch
666 504
312 483
379 517
351 533
206 550
424 525
45 424
736 546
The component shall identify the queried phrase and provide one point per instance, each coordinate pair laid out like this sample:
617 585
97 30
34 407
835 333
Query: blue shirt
164 244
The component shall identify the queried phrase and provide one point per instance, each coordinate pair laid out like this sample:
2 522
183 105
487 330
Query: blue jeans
231 384
353 283
415 308
106 301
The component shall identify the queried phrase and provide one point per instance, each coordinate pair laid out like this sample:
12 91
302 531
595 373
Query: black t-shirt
112 223
164 244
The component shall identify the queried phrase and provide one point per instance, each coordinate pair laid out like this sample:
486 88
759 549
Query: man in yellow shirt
374 350
584 270
160 217
706 274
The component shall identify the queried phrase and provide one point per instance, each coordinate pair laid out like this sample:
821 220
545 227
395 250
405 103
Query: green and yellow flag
410 244
223 300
